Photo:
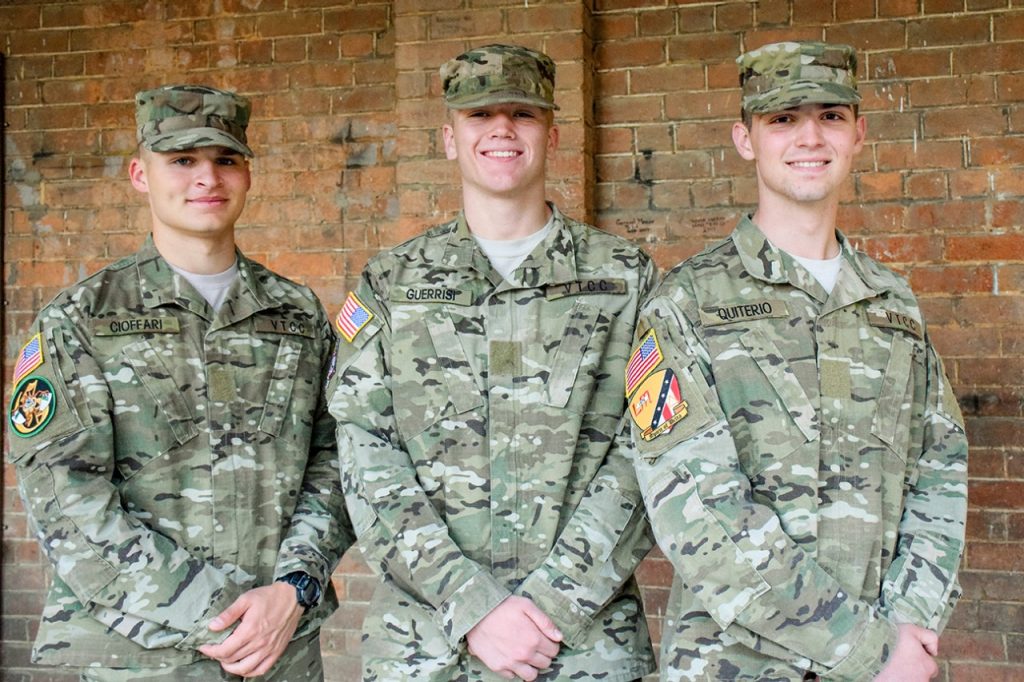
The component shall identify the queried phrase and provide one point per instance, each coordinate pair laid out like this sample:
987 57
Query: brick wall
349 161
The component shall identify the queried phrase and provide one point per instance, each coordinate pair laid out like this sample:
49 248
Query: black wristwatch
307 588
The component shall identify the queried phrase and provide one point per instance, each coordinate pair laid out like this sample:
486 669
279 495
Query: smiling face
193 193
802 154
501 149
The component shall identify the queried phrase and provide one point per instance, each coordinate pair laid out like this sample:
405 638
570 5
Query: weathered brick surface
350 161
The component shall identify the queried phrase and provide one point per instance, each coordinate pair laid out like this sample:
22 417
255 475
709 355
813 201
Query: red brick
358 18
927 185
942 6
614 27
1006 150
1009 27
700 19
995 556
289 23
954 30
902 248
769 13
979 646
655 78
626 53
26 17
904 63
685 105
733 16
874 186
926 280
986 58
874 35
628 109
703 48
919 155
541 18
969 121
37 42
985 247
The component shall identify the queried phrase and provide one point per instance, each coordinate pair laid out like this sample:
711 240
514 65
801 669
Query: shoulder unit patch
352 318
658 405
32 406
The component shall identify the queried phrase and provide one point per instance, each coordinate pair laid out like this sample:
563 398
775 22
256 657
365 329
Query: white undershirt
507 254
214 288
825 271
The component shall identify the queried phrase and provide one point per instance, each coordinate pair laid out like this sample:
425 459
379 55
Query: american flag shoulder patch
644 359
29 357
352 318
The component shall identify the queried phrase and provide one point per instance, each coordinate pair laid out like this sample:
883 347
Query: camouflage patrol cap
495 74
783 75
173 118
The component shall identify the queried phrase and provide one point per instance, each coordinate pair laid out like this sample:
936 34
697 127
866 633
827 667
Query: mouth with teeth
501 154
808 164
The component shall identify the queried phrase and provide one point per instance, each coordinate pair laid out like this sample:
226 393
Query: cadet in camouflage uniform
478 396
173 447
801 454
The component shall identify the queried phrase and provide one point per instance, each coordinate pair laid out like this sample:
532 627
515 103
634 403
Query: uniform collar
553 261
159 285
858 279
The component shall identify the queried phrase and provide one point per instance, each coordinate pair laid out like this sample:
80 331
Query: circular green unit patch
32 406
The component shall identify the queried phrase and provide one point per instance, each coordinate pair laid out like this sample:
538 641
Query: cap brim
801 92
194 138
500 98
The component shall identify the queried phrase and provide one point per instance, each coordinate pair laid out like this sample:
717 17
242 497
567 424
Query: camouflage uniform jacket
189 458
808 482
477 433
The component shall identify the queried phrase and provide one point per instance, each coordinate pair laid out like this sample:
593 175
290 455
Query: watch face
307 588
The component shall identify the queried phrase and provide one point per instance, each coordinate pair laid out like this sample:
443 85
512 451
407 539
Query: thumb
230 614
930 642
543 623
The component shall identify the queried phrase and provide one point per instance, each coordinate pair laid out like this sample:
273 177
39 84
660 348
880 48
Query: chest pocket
282 383
433 377
776 428
574 353
891 423
153 422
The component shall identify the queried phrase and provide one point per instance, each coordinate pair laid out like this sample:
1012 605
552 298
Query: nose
501 125
207 173
810 133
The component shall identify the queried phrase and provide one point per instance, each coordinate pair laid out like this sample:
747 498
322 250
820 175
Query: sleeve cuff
541 587
869 655
201 634
293 564
468 605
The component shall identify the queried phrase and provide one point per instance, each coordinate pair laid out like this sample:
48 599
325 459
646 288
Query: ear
862 134
137 174
449 141
741 139
553 134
